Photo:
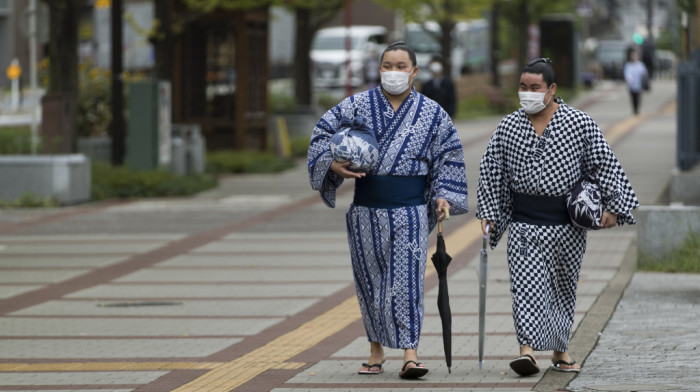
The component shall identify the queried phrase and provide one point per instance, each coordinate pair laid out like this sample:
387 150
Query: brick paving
248 287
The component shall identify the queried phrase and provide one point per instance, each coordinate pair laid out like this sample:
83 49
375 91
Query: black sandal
413 372
525 365
557 366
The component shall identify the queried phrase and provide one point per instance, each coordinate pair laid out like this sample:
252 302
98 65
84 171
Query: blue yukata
544 258
418 147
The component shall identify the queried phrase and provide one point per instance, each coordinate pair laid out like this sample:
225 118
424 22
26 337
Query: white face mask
533 102
395 82
436 68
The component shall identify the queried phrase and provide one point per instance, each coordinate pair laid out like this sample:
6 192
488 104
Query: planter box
64 177
662 229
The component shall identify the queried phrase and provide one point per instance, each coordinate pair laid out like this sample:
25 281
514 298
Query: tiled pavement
248 287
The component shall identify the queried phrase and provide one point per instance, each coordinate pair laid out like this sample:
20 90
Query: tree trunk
63 46
495 45
63 68
523 23
163 42
446 27
302 63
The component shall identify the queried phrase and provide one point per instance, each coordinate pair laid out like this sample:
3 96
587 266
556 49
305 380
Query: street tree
446 13
63 50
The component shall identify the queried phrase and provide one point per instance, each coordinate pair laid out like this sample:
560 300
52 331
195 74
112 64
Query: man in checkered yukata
534 158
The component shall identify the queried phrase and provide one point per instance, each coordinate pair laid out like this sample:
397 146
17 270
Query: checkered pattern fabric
572 146
544 263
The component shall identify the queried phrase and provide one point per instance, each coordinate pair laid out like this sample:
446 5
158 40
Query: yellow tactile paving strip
224 376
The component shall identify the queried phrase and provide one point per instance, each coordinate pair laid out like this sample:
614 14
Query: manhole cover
140 303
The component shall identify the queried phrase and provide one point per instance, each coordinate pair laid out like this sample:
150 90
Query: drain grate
139 303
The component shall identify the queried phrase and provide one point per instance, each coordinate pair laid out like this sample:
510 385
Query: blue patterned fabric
388 247
356 143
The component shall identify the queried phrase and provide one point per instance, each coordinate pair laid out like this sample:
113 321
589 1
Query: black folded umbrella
441 260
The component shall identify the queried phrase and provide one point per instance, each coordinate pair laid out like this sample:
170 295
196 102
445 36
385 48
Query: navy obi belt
390 191
540 210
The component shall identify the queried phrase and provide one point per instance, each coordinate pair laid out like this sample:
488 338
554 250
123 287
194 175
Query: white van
329 55
469 52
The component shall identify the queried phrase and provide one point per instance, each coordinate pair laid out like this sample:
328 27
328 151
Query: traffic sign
13 71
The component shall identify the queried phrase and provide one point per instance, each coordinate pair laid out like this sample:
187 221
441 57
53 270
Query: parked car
612 54
665 64
329 56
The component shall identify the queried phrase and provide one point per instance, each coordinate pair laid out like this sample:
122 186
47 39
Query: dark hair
400 45
542 66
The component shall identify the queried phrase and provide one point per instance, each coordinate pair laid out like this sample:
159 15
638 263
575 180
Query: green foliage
28 200
219 162
300 146
15 140
438 10
685 259
110 182
206 6
476 106
94 102
281 102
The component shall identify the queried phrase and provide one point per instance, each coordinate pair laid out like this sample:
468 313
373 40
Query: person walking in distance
636 77
440 87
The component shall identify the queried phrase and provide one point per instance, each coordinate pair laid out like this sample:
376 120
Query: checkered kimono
388 247
545 261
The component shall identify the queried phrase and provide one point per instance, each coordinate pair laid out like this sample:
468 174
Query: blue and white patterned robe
388 247
545 260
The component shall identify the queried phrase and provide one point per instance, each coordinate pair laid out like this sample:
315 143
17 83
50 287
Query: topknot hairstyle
401 45
542 66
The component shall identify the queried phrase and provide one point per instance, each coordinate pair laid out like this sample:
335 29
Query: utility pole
118 134
348 48
32 30
495 51
650 20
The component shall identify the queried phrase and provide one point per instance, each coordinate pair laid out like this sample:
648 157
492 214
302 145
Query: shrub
300 146
110 182
15 140
29 200
219 162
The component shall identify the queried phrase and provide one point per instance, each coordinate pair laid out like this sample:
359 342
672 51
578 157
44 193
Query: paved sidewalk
650 342
248 287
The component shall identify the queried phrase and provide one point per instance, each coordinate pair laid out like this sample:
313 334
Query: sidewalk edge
594 322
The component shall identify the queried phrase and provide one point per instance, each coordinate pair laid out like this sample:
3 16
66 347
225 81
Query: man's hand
441 205
342 170
483 225
608 220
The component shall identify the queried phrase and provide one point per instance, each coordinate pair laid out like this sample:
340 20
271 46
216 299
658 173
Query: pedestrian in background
636 77
440 88
535 157
371 69
419 175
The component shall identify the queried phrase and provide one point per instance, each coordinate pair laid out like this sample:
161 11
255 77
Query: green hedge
15 140
222 162
110 182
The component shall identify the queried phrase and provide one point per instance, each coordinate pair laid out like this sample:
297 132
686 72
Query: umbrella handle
447 217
